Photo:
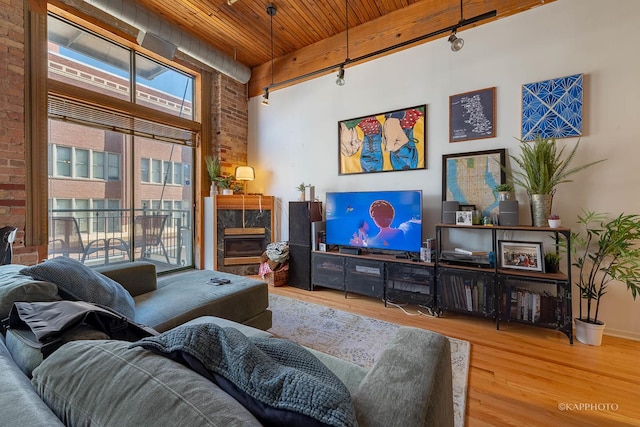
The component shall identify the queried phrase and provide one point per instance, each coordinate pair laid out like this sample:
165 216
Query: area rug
355 338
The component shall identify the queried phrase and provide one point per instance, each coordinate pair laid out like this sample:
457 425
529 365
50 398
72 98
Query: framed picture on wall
471 178
383 142
472 115
552 108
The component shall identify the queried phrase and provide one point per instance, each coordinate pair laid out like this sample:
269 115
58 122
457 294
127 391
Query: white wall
295 138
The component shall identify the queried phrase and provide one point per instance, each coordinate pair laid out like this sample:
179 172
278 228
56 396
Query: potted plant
301 188
542 167
225 182
605 250
213 170
554 221
551 262
505 191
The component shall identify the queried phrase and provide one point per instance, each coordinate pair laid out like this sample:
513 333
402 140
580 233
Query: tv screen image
389 220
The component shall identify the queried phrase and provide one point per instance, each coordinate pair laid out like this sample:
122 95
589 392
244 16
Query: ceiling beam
390 30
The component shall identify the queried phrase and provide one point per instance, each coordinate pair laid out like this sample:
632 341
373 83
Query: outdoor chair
66 239
7 237
148 231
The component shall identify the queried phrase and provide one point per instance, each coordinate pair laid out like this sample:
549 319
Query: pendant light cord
346 13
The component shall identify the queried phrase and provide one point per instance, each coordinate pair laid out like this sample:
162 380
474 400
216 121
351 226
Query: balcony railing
106 236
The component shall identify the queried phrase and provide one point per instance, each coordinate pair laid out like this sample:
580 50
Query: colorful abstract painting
552 108
391 141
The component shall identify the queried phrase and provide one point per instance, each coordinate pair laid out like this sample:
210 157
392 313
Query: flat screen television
387 220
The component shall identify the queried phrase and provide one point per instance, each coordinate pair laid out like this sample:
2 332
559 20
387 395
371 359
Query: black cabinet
301 215
327 271
408 283
364 276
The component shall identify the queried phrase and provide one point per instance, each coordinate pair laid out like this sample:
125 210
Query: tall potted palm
604 251
542 167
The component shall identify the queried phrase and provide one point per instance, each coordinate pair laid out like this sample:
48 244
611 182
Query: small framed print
521 255
464 218
467 207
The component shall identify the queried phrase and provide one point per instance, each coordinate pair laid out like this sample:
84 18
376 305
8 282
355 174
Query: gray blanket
275 372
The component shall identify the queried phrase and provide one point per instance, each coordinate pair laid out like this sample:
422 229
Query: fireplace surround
244 228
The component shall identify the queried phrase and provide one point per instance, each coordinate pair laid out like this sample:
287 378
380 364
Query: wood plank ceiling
309 35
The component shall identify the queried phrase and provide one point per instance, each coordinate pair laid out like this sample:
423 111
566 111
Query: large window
117 175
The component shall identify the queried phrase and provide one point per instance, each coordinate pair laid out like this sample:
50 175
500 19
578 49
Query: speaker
350 251
508 212
449 209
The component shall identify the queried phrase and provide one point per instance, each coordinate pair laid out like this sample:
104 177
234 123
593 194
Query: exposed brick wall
12 119
230 122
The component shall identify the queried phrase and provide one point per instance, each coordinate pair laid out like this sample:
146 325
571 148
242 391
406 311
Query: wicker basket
277 278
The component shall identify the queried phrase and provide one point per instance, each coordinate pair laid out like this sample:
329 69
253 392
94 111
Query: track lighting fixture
265 97
456 42
340 80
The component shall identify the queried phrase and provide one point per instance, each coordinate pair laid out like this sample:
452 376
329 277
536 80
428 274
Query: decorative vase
302 196
213 190
227 192
554 223
589 333
540 209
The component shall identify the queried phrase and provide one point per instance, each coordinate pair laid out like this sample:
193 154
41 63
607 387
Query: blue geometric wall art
552 108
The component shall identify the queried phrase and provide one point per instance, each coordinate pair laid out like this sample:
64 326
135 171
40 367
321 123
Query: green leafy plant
302 187
551 261
504 187
605 250
542 166
225 181
214 167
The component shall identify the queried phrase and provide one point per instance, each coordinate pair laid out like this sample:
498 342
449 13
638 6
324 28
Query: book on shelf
470 252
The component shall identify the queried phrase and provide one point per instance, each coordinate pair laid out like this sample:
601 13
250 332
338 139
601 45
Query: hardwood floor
522 375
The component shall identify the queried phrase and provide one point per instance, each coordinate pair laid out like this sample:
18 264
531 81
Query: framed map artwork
383 142
471 178
472 115
552 108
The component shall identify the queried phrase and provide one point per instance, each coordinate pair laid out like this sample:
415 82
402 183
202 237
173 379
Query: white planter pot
554 223
589 333
227 191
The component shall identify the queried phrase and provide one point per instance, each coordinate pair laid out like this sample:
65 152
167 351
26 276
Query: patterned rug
355 338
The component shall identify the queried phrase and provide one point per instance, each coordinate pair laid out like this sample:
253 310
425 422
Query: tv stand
380 276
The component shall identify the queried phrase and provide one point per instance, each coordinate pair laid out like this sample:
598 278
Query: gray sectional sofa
110 383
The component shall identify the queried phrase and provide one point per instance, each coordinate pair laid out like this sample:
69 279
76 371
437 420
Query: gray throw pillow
80 282
15 287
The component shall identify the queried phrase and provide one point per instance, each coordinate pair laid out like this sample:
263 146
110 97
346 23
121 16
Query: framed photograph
521 255
383 142
464 218
552 108
470 179
472 115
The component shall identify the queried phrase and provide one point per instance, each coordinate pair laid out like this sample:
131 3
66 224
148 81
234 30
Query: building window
167 172
156 171
177 173
114 166
81 163
63 161
98 165
144 169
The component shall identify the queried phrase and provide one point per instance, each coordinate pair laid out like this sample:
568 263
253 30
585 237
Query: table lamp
245 173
